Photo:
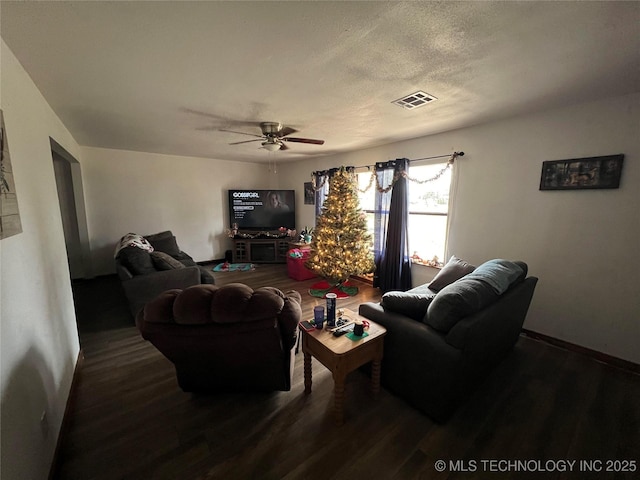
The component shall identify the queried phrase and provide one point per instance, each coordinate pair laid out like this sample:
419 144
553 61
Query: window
428 208
368 198
428 211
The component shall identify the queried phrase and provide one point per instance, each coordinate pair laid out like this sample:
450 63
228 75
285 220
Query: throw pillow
452 271
185 259
499 274
136 260
524 267
458 300
413 305
163 261
166 244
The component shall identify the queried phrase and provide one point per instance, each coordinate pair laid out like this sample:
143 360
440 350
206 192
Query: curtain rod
454 155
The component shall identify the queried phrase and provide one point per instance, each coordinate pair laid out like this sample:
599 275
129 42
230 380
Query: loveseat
229 338
443 338
149 265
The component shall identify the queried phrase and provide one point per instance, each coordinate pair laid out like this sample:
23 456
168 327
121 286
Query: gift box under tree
295 265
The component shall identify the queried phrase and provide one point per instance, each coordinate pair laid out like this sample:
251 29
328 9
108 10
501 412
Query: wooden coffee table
342 355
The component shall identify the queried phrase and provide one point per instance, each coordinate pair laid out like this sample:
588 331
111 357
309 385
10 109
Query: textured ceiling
166 76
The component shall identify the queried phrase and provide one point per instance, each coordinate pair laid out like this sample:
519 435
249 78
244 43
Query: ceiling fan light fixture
271 146
275 136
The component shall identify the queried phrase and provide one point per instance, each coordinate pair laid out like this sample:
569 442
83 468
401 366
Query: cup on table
358 329
318 316
331 309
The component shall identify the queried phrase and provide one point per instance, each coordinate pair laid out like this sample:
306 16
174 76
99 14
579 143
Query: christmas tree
341 245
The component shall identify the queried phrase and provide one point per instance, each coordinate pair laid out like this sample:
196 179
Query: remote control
342 331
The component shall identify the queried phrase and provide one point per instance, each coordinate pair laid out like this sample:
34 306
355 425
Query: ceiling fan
274 134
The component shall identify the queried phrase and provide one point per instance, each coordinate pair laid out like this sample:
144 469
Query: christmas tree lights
341 245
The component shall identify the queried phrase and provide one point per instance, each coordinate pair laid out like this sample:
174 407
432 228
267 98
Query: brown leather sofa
228 338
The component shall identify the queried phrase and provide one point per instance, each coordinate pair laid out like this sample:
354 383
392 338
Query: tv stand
260 250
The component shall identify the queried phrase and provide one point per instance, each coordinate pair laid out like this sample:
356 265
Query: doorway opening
72 209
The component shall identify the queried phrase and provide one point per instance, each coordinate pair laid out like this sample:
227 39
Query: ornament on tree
341 245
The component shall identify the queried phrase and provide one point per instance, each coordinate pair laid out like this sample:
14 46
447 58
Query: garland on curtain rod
403 173
325 174
314 180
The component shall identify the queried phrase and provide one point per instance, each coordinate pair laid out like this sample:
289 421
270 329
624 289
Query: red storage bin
296 268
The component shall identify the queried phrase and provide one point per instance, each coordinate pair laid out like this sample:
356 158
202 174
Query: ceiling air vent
415 100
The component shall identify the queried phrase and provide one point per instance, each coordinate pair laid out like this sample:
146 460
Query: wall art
10 223
582 173
309 194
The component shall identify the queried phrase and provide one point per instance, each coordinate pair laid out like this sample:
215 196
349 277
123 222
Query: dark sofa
229 338
145 274
445 337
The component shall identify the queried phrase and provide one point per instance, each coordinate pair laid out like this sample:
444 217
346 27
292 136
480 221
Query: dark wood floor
131 421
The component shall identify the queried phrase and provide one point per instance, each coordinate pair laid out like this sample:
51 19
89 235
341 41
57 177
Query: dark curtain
391 238
321 184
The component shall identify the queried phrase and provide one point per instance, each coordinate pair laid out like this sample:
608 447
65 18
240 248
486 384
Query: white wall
583 245
38 335
147 193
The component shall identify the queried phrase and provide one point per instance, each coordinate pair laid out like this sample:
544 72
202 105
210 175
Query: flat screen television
262 209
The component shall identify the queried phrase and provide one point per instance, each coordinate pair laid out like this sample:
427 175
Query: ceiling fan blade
286 131
283 147
240 133
303 140
222 118
246 141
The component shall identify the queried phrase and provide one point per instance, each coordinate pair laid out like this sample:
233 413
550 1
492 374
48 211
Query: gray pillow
137 260
163 261
413 305
498 273
458 300
185 259
166 244
452 271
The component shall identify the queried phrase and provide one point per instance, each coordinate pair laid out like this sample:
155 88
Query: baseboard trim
66 419
362 279
596 355
206 263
